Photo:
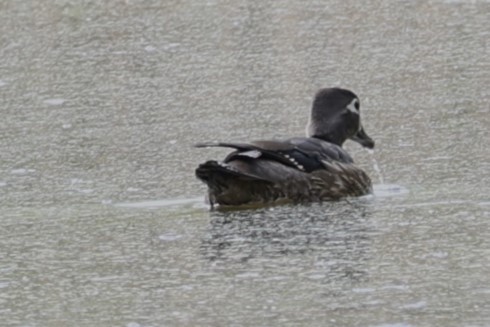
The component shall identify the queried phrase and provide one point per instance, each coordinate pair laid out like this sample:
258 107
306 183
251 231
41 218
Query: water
104 224
376 166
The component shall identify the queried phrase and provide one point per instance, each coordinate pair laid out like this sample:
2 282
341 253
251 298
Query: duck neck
325 128
331 138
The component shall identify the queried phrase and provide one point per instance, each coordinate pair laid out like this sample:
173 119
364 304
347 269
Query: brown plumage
301 169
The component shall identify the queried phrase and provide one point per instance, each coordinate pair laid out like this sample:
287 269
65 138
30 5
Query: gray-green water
103 223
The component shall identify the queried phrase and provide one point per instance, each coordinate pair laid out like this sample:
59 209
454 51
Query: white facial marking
352 106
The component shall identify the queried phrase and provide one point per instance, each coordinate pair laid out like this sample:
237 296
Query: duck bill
363 139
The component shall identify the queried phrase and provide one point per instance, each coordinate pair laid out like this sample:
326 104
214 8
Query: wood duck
300 169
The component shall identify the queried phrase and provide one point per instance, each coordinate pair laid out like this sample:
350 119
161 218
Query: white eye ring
352 106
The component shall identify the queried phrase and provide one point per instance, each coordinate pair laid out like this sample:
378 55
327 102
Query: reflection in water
337 235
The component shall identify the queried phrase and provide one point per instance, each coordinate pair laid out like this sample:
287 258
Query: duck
314 168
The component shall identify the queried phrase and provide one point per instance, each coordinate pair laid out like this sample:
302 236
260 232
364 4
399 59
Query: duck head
336 117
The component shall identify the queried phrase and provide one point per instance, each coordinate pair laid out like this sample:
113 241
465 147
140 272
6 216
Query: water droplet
21 171
376 166
54 101
416 305
168 237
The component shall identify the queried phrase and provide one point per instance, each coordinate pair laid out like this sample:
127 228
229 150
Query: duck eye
353 107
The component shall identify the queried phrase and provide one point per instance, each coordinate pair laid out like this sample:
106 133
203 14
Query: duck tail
229 186
212 170
209 170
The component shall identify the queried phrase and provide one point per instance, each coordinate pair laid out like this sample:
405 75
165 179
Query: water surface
103 222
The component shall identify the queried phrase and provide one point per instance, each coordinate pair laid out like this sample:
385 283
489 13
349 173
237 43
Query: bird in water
301 169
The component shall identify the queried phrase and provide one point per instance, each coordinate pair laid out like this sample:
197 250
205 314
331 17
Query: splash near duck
300 169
